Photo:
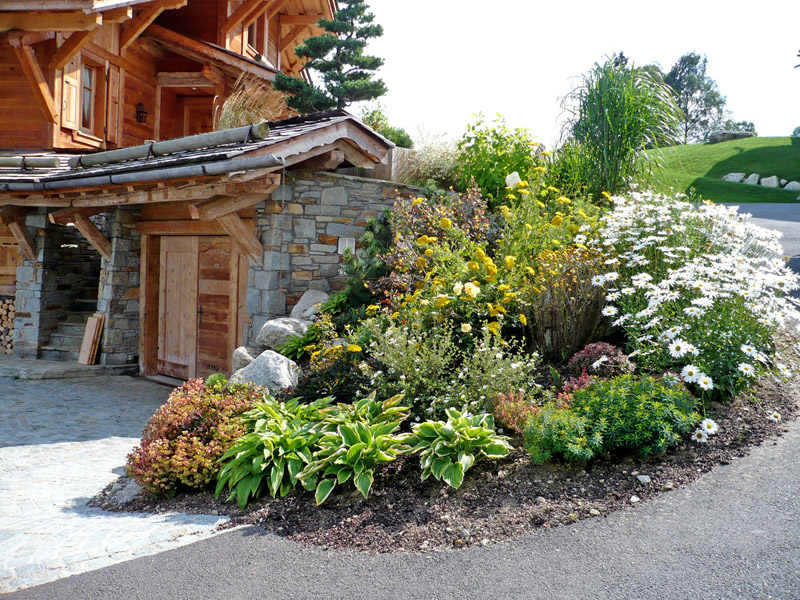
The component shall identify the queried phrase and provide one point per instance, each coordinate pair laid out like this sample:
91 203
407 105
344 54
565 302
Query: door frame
149 300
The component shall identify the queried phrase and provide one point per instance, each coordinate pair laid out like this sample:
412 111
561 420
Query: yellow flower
394 315
563 200
556 221
523 320
472 265
442 301
428 252
372 309
503 287
496 309
466 327
315 355
458 287
511 197
417 201
530 271
505 212
540 169
471 290
606 195
354 348
553 189
508 297
511 262
524 192
422 262
446 223
480 254
423 240
494 327
546 153
491 269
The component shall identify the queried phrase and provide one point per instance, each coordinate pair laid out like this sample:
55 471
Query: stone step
72 329
65 342
79 317
54 353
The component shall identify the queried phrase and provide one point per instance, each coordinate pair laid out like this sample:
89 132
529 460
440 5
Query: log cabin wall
22 124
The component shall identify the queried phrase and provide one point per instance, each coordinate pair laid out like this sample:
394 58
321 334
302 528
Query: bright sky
448 59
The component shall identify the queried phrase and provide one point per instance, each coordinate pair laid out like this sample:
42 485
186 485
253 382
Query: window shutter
70 94
112 113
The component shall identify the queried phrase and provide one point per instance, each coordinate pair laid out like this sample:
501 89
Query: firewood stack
7 312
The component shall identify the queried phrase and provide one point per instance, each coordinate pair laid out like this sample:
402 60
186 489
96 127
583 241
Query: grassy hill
700 166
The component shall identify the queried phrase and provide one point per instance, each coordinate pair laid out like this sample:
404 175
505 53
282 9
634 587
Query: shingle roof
279 131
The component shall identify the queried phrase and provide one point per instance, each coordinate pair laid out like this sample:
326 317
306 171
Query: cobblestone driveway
62 441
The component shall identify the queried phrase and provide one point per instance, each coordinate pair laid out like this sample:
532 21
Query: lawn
701 166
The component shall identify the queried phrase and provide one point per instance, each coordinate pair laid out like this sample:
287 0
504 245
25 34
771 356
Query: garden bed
499 499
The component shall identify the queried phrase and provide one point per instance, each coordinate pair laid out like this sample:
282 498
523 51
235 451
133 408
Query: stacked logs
7 313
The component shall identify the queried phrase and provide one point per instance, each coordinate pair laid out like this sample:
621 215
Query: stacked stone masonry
307 225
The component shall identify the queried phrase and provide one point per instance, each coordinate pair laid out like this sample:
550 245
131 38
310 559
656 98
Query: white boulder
772 182
243 356
784 182
751 179
274 333
793 186
309 304
723 136
270 370
734 177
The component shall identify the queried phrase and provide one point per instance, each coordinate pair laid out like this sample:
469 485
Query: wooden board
10 259
91 339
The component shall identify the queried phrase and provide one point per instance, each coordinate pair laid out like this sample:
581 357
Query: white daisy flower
691 349
580 239
775 416
612 276
783 370
609 311
709 426
690 373
598 280
693 311
700 436
629 290
747 369
678 348
596 364
705 382
749 350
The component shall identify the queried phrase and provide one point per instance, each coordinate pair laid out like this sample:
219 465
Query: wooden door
177 322
200 316
197 115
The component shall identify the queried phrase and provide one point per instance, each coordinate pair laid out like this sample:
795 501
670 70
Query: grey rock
635 499
243 356
734 177
308 305
794 186
784 182
594 512
643 478
751 179
723 136
770 181
275 332
127 492
270 370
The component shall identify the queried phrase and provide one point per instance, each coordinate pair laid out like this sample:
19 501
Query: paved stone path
61 442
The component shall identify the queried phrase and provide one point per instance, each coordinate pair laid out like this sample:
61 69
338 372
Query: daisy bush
697 288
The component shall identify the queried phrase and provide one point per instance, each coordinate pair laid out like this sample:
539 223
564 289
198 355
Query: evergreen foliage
338 55
698 96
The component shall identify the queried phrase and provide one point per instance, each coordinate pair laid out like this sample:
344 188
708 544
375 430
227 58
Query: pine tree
338 56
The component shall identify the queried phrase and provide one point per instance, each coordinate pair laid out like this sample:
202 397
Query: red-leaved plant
512 411
188 434
601 360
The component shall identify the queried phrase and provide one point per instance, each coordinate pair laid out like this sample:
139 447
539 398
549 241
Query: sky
448 59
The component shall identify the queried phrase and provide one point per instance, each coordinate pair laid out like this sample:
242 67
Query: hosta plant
448 449
273 454
353 444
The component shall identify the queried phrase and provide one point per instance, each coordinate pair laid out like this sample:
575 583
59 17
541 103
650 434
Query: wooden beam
325 161
290 37
184 79
289 20
203 52
243 236
210 209
71 46
50 21
152 48
182 227
274 8
131 68
213 74
14 218
142 21
35 77
9 214
117 15
239 15
65 216
93 235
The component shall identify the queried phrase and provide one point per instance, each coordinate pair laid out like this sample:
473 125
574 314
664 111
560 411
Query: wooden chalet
117 198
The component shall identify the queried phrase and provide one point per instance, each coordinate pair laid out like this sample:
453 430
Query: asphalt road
734 534
786 219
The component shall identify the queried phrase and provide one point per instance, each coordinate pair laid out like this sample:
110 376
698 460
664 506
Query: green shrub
448 449
186 436
216 379
513 411
355 441
282 437
625 414
434 162
488 152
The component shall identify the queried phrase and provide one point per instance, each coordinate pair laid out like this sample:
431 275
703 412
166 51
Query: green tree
616 112
338 55
698 96
796 132
377 118
731 125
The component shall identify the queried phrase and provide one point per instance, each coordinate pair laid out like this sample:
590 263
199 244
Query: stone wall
119 289
305 228
48 287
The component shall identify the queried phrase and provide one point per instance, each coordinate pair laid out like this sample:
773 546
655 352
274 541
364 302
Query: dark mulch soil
499 499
